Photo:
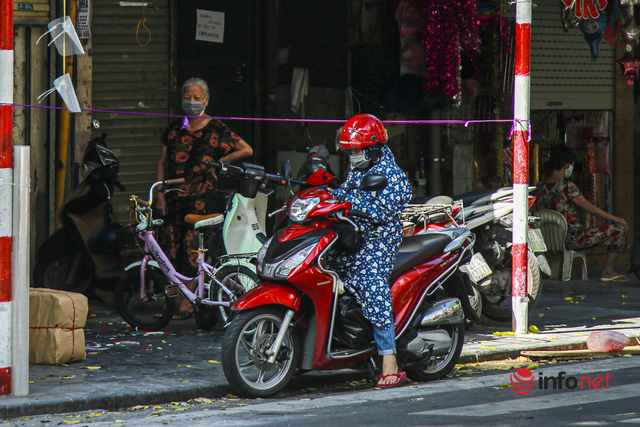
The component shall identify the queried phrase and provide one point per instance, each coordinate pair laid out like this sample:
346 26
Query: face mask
193 108
568 171
358 160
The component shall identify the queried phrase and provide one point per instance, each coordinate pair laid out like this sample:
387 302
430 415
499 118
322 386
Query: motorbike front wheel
244 359
64 270
439 366
152 313
498 307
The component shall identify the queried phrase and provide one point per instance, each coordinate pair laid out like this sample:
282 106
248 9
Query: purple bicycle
147 295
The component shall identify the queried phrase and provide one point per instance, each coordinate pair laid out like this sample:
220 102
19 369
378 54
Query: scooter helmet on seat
363 130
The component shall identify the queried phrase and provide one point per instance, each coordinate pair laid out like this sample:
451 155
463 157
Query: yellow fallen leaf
213 361
155 414
533 329
72 416
42 378
184 366
244 404
568 299
93 415
231 395
67 377
532 366
183 381
300 399
157 407
540 315
504 385
91 368
465 378
70 422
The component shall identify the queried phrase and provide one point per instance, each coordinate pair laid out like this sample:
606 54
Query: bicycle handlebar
174 181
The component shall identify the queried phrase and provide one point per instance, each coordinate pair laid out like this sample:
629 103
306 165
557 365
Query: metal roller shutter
128 77
563 76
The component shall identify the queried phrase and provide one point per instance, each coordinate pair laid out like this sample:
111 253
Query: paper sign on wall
210 26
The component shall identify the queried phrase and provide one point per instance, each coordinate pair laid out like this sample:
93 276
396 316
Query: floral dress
559 196
186 152
366 273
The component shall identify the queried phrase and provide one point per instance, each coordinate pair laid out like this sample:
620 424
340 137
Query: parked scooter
90 243
489 215
301 318
243 233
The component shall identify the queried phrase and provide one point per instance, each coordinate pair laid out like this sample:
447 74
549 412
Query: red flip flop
400 377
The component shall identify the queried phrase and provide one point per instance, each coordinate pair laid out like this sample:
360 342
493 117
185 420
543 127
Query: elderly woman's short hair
195 81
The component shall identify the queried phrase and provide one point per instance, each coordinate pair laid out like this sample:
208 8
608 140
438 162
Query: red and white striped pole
6 178
521 112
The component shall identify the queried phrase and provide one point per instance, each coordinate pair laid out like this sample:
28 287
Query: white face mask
358 160
568 171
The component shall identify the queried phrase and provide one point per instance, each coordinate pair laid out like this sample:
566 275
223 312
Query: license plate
535 240
478 268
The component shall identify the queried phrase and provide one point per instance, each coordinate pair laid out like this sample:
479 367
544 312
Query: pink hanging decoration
449 26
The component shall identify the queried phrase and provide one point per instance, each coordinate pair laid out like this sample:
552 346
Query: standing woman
557 193
187 145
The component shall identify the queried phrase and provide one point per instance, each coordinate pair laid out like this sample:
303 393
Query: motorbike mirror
373 182
286 175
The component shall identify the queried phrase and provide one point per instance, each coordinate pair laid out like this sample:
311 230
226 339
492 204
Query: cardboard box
52 308
55 346
56 319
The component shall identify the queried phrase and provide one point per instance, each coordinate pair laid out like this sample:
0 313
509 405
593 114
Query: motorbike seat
416 249
201 221
472 196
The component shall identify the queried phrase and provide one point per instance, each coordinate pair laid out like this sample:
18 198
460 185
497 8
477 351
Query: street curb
126 395
508 347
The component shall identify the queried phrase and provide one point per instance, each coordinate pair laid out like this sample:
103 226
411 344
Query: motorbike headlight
281 270
263 250
300 208
285 267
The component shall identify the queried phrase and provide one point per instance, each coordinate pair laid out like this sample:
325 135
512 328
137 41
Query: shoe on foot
400 377
618 278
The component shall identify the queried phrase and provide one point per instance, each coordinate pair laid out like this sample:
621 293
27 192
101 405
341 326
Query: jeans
385 340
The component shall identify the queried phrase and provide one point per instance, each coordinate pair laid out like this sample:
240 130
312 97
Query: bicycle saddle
200 221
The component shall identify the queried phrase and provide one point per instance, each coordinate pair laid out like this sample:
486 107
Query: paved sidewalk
125 368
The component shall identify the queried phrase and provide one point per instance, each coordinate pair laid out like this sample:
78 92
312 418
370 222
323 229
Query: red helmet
361 131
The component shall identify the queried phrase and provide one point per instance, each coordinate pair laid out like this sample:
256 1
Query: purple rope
262 119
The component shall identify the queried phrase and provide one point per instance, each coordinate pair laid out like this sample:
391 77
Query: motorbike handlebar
359 214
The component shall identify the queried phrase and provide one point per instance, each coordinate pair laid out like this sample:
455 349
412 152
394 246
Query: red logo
522 381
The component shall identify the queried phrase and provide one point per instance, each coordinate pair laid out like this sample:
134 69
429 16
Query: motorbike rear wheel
440 366
154 313
498 307
231 276
64 270
244 361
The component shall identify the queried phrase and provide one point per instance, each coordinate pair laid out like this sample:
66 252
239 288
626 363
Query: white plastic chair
554 229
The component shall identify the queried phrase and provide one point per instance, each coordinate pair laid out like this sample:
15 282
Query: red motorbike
300 318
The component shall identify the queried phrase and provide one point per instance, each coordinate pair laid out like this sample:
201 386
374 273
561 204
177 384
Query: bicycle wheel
238 279
156 311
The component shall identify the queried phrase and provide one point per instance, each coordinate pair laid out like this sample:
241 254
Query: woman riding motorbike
365 269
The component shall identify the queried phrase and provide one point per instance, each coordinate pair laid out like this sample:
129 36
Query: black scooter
90 243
